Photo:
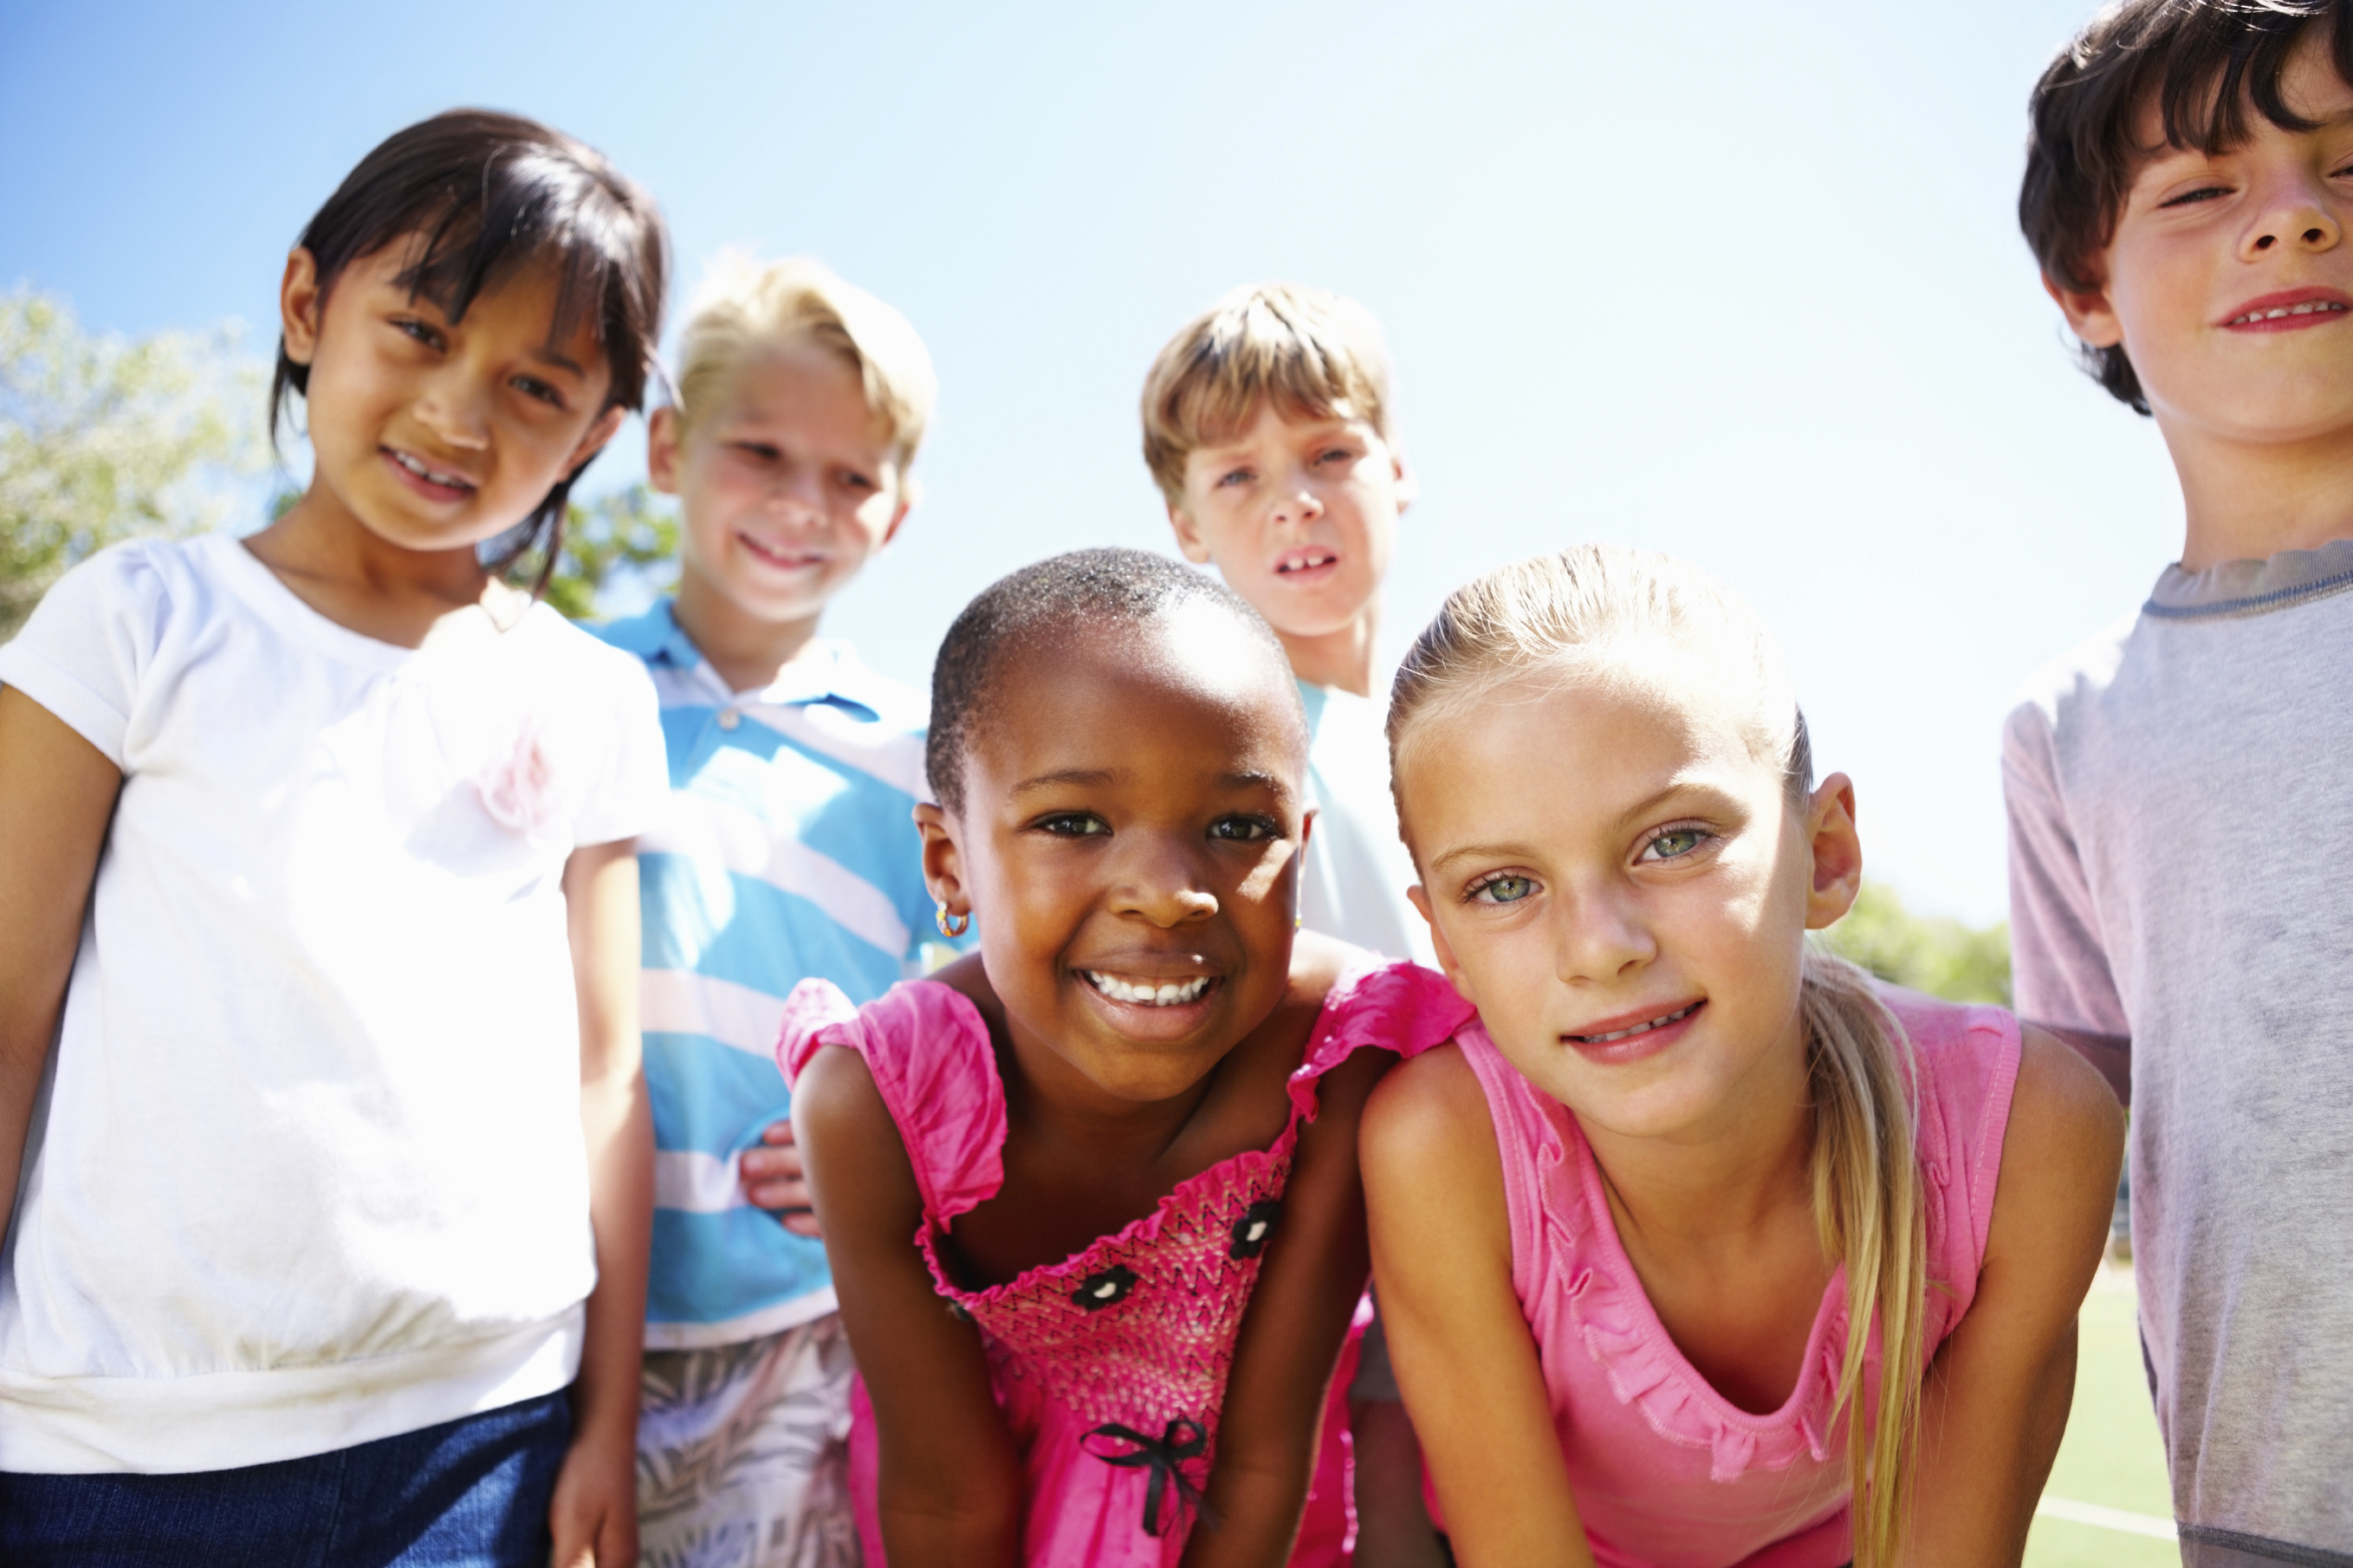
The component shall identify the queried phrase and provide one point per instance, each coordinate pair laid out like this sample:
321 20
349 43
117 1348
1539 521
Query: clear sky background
1737 279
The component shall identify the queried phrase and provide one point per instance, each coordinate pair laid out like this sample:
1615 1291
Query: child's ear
943 861
2090 316
664 440
1836 852
299 298
1190 542
910 492
1409 483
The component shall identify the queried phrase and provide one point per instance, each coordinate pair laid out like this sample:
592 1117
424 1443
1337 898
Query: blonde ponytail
1584 610
1869 1213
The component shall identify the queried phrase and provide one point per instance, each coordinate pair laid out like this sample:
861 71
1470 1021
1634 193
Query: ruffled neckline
1621 1331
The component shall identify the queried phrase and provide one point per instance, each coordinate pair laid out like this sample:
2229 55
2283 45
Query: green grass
2111 1455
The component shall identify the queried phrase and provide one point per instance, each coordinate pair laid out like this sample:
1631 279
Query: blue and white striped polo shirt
787 851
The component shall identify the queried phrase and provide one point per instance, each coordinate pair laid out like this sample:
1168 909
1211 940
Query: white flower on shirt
518 787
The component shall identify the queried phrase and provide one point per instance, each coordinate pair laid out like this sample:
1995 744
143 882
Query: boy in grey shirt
2180 788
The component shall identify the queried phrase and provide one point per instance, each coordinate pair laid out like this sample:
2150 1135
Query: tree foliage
1935 954
625 534
103 438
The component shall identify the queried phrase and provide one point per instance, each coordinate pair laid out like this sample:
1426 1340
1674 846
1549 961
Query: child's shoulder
558 639
925 1047
107 631
1935 1025
920 1023
2082 673
151 578
1363 1000
897 707
859 701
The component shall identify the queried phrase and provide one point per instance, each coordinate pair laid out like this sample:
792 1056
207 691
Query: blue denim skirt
471 1493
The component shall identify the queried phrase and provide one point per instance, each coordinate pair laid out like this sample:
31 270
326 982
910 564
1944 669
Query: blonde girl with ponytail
1701 1248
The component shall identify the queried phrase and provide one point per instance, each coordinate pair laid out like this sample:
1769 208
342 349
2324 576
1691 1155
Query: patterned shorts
742 1453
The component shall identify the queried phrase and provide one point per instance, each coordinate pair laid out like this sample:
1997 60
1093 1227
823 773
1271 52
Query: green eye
1502 890
1675 843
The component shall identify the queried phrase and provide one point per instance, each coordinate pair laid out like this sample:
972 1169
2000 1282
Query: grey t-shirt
2180 794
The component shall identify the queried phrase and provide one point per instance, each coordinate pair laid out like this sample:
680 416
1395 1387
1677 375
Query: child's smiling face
789 485
1129 840
2227 278
1299 517
1623 889
437 435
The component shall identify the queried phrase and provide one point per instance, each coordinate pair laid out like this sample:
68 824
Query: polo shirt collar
827 673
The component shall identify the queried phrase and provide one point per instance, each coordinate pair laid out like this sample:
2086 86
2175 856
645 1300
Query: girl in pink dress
1699 1248
1091 1194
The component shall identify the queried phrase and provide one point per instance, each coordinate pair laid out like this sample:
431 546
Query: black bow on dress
1164 1455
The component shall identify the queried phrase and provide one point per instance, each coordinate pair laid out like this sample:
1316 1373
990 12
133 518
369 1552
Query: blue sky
1735 279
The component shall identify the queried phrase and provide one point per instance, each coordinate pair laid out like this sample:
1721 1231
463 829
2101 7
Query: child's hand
774 1179
594 1516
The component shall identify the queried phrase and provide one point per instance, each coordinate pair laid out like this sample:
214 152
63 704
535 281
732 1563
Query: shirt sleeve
90 642
2059 964
628 799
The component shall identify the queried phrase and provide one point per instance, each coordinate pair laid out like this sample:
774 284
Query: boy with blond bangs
2178 787
1266 427
789 852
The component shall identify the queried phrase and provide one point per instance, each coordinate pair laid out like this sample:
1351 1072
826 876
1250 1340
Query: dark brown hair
2203 65
478 196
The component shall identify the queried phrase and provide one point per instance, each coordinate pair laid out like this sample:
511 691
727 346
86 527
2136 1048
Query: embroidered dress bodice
1110 1366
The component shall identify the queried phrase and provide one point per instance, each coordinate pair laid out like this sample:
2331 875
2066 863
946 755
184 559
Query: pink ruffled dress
1110 1365
1666 1472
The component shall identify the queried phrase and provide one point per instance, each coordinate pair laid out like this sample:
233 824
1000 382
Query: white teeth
2309 308
421 471
776 555
1635 1029
1168 994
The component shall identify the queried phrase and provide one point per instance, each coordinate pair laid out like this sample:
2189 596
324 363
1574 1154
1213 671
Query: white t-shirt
307 1169
1357 868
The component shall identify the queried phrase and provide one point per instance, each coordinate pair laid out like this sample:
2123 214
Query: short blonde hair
745 306
1316 354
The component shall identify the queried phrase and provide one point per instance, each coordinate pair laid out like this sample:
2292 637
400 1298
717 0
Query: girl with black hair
1091 1193
318 936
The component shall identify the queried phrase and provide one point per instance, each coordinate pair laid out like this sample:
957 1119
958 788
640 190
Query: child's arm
1307 1291
1996 1396
950 1488
1465 1361
594 1516
56 794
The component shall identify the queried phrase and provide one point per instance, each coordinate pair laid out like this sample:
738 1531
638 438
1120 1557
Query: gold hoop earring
951 926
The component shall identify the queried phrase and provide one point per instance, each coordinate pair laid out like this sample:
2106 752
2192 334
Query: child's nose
1601 939
2295 221
456 409
1301 506
1164 886
795 496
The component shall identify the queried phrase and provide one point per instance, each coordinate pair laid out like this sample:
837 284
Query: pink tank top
1110 1365
1666 1472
